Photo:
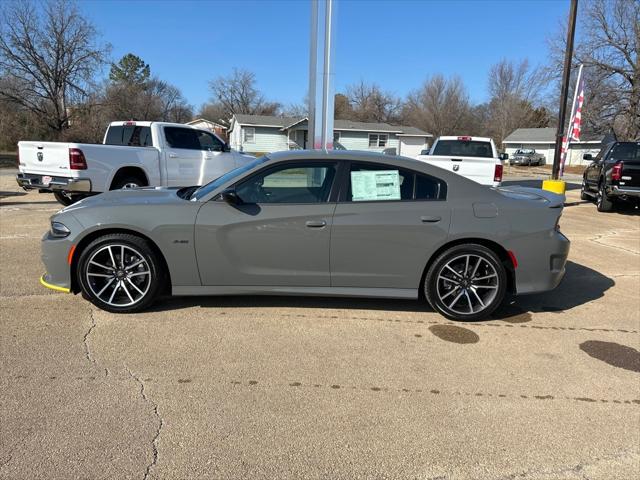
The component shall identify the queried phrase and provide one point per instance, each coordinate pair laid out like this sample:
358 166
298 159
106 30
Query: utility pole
565 90
321 106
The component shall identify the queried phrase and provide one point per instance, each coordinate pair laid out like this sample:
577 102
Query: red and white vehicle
133 154
475 158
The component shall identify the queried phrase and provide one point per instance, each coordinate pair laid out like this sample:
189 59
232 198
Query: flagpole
567 138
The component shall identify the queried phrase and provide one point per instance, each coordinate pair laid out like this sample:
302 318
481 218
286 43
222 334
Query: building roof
200 120
288 122
545 135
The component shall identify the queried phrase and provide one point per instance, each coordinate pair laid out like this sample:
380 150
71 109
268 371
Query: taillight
497 173
616 171
76 159
18 158
465 139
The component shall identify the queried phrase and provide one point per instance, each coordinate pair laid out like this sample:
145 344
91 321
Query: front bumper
30 181
45 281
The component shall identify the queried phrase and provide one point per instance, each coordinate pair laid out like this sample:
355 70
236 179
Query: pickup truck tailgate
630 174
478 169
44 158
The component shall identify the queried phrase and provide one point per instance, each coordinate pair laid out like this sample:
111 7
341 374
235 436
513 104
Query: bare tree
237 93
49 56
441 107
514 91
369 103
608 47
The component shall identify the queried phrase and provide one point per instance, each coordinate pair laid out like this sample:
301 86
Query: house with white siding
543 140
264 133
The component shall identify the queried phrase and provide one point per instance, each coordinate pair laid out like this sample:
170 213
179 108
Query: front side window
369 182
378 140
185 138
336 136
290 183
209 142
249 134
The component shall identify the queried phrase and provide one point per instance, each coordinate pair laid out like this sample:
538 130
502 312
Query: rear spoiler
553 199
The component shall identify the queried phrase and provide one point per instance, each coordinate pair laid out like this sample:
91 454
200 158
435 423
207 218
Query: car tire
583 191
603 202
466 282
67 200
127 182
120 286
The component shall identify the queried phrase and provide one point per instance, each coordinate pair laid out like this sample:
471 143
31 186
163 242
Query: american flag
575 122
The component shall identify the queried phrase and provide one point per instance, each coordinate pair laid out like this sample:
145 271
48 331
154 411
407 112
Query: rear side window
462 148
129 135
627 152
374 182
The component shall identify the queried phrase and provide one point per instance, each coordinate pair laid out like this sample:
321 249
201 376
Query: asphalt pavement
276 387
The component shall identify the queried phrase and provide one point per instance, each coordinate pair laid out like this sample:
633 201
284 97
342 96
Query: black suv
613 175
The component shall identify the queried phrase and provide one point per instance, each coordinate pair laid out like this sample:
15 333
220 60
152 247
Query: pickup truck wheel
127 182
583 191
467 282
120 273
67 200
603 202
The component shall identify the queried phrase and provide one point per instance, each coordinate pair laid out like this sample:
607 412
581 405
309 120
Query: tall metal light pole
321 106
565 89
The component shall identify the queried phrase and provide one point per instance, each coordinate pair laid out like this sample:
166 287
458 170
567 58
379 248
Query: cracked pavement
274 387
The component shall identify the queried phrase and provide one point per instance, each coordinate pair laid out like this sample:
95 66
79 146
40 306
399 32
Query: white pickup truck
475 158
132 154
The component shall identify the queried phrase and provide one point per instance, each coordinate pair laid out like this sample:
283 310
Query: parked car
475 158
337 223
528 157
613 176
133 154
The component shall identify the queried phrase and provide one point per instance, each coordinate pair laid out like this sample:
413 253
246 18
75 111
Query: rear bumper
617 191
542 265
30 181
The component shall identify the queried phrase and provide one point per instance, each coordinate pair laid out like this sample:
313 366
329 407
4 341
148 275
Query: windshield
463 148
204 190
524 151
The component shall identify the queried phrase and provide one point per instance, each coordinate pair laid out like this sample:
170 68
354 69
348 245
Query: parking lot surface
274 387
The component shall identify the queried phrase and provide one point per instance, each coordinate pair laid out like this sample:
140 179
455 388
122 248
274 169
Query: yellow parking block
555 186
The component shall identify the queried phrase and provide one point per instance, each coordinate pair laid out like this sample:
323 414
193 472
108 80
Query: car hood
128 197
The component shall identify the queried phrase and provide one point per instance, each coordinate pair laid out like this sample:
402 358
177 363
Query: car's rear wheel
67 199
603 202
128 182
466 282
120 273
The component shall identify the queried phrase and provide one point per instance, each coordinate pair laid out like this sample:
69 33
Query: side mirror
587 156
231 197
504 156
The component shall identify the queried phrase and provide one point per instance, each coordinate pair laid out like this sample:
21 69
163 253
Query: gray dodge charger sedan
312 223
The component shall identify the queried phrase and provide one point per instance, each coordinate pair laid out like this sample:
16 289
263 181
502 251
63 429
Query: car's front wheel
120 273
466 282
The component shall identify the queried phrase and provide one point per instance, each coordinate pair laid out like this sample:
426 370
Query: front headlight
59 230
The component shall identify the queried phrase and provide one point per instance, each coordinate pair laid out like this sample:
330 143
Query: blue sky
396 44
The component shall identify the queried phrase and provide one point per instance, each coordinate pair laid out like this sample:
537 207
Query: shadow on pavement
579 286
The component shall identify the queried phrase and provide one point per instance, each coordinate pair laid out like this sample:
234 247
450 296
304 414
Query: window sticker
375 185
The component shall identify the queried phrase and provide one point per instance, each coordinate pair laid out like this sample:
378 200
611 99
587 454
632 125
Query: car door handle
316 223
173 155
428 219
